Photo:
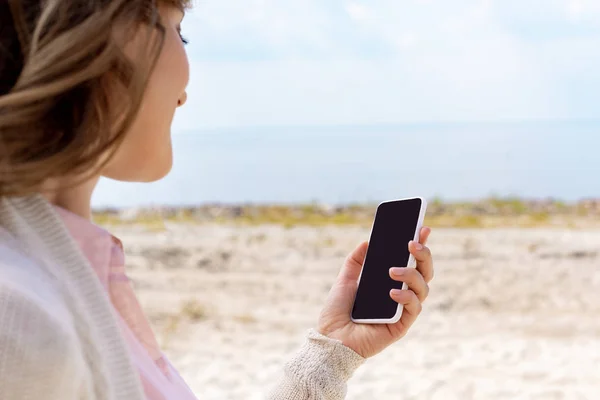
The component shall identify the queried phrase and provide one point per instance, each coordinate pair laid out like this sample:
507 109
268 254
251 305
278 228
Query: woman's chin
155 172
158 174
143 173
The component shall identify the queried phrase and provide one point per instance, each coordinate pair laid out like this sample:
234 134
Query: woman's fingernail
397 271
418 246
396 292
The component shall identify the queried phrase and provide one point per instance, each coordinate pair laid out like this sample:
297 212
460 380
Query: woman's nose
182 99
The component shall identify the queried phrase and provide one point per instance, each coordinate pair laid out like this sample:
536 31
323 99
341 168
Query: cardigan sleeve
318 371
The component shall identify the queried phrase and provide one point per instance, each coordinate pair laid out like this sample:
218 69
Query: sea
368 164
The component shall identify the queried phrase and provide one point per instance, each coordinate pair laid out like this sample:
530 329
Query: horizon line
384 124
317 203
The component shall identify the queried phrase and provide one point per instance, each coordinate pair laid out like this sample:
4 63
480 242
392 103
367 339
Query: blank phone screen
394 227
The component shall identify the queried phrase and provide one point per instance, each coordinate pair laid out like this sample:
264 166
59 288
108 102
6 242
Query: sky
262 68
349 62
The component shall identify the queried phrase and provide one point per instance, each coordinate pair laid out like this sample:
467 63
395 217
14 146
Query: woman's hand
368 340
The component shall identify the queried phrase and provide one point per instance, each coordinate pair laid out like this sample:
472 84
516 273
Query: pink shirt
105 254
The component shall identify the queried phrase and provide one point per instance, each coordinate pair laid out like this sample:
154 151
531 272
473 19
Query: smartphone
396 223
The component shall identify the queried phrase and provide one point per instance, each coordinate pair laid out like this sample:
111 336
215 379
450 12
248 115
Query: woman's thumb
353 264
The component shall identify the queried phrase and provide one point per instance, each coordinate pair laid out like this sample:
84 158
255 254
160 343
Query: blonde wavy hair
68 91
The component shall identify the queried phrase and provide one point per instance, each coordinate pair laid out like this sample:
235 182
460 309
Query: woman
88 88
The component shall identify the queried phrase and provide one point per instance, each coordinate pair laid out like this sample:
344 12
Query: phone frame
411 262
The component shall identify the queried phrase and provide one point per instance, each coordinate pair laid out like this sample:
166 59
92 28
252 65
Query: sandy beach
512 314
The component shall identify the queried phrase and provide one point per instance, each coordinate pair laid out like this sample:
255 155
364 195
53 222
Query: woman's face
146 152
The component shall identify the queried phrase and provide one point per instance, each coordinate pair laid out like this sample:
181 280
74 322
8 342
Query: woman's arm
322 367
319 371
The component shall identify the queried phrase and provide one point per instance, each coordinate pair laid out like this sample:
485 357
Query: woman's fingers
424 259
412 309
424 235
413 279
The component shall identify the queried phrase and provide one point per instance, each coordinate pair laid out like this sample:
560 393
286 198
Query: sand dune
512 314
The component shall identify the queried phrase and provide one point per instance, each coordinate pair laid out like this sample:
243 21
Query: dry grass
491 213
194 311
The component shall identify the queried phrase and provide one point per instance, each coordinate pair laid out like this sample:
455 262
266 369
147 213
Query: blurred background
480 97
303 114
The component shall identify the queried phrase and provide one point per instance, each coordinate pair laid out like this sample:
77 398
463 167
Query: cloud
363 92
358 12
575 9
583 10
268 62
272 29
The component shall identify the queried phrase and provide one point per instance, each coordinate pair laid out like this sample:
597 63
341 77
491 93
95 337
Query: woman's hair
68 92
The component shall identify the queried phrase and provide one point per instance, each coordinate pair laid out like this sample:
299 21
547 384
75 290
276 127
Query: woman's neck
76 199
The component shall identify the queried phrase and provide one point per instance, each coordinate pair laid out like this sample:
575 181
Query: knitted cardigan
59 337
